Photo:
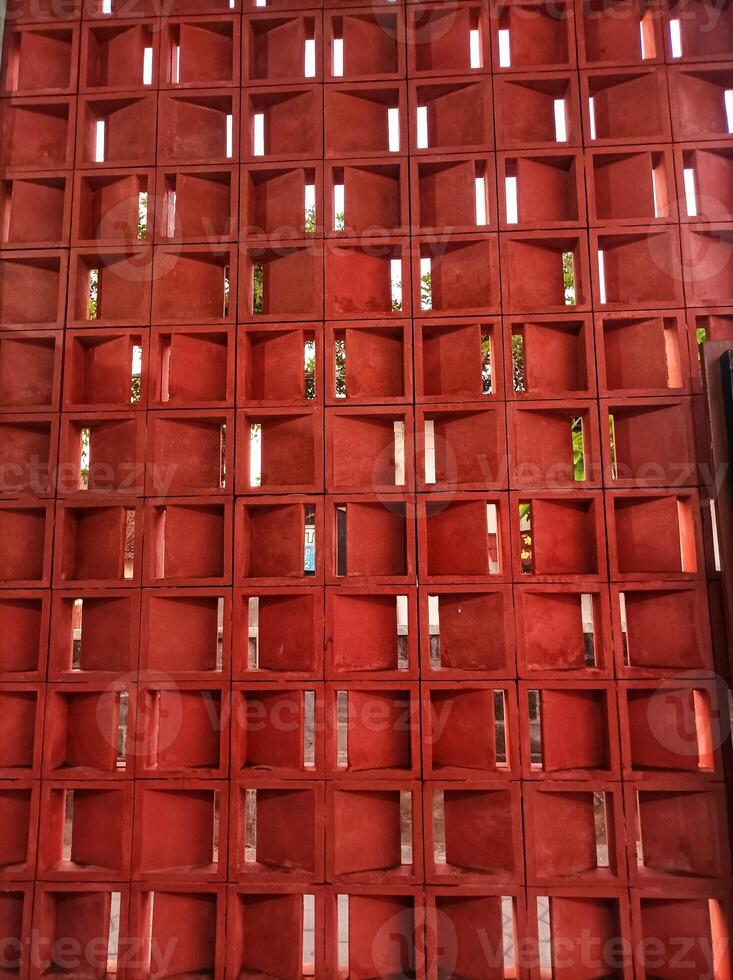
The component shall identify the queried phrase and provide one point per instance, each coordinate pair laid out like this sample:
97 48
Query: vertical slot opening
399 453
568 279
100 140
474 44
393 127
534 709
612 446
216 820
592 117
106 6
511 192
434 630
395 272
500 733
339 200
342 729
544 935
703 729
309 366
219 665
624 627
77 626
148 938
728 100
309 539
647 40
309 204
309 730
136 374
601 276
492 530
403 632
406 826
147 66
439 826
226 292
176 62
250 826
258 288
577 443
482 209
223 455
113 935
85 457
165 368
675 37
342 932
309 936
429 433
690 183
526 551
230 135
519 375
505 50
487 378
715 536
129 557
160 522
561 120
94 299
253 632
339 344
337 52
341 565
600 821
68 824
422 127
170 208
686 525
7 210
587 618
509 936
672 354
258 134
426 284
123 705
310 57
142 215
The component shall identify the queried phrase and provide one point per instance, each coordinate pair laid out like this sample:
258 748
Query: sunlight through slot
176 64
600 813
393 124
422 127
100 140
230 136
142 215
592 117
113 941
258 134
481 209
310 58
601 276
339 202
148 66
106 6
729 109
512 201
342 932
675 37
561 124
505 55
475 48
655 193
429 451
136 373
395 269
399 453
309 935
255 454
690 193
337 57
309 204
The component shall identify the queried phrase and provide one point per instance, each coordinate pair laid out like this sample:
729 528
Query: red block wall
431 683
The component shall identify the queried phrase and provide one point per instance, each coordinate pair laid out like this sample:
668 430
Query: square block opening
194 284
35 210
624 106
39 59
634 187
637 269
278 634
563 631
166 745
472 834
24 545
367 280
280 283
560 281
190 453
703 919
114 55
365 197
262 743
281 201
653 534
613 33
534 112
24 622
101 454
86 732
570 912
570 732
553 444
365 119
367 916
27 455
705 177
534 36
117 130
461 449
86 916
708 265
454 192
363 44
642 355
196 128
459 916
447 40
456 276
368 450
283 49
368 363
264 846
279 366
196 204
191 368
699 103
283 124
19 814
278 451
200 52
450 712
695 39
279 538
649 443
550 357
558 535
477 523
373 731
185 632
180 832
541 190
186 922
669 728
458 361
30 371
465 630
105 369
71 844
20 728
110 287
114 207
97 542
31 288
24 12
189 542
452 116
93 634
36 134
371 633
373 831
271 929
370 540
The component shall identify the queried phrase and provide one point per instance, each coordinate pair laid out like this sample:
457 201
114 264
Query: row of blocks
301 366
294 932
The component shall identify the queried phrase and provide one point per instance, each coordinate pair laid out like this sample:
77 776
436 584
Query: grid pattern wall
355 582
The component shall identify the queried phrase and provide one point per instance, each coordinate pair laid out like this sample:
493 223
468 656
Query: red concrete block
541 190
653 534
537 112
575 834
184 925
625 106
465 631
200 51
363 42
370 540
550 357
24 616
614 34
564 631
704 33
105 370
16 900
94 635
532 36
372 730
279 366
461 448
638 268
469 730
453 115
180 830
282 201
110 287
117 129
39 60
30 371
368 363
86 731
85 831
283 49
198 127
195 284
463 538
279 540
37 134
642 354
705 190
447 39
25 12
186 634
32 288
454 192
648 443
707 264
681 833
457 360
371 633
114 207
19 807
472 834
279 450
569 731
456 276
278 634
633 185
373 832
22 729
262 846
282 123
661 629
196 204
26 530
365 119
280 282
190 453
707 324
554 445
101 454
368 278
28 464
697 101
190 541
369 450
549 290
192 367
36 209
671 727
113 56
366 197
